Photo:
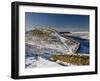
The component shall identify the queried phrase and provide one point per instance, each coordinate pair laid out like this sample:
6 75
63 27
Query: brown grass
72 59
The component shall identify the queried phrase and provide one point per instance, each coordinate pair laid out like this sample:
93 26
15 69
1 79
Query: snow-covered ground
51 39
41 62
84 35
39 49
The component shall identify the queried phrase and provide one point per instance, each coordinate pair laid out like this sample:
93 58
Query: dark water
84 44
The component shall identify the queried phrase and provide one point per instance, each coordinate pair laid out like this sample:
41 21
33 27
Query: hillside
50 38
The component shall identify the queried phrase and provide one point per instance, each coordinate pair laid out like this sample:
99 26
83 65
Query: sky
60 22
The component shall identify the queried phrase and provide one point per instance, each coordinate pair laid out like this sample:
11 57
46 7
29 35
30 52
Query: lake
84 44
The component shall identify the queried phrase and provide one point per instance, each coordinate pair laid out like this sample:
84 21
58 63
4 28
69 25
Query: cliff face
47 39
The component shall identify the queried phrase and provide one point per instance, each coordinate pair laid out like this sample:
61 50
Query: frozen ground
41 62
40 48
84 35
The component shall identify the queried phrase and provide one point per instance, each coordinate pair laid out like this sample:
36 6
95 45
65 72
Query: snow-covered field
84 35
41 62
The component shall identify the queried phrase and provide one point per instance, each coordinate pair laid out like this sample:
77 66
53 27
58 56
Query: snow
41 62
84 35
30 62
60 43
44 49
61 46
